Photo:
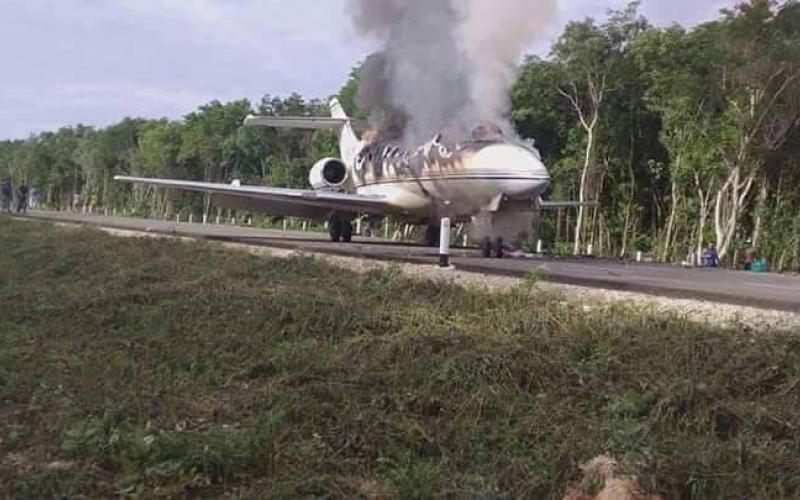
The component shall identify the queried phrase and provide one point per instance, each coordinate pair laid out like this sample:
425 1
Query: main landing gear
432 235
340 230
492 248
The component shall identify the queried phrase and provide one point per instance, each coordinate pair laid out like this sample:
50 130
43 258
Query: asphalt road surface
768 291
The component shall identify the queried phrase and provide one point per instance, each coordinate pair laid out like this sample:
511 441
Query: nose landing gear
492 248
432 235
340 230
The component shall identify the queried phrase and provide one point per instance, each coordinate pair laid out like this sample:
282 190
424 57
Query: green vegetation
161 367
683 137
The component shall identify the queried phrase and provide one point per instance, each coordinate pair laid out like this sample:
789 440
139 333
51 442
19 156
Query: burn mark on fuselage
386 160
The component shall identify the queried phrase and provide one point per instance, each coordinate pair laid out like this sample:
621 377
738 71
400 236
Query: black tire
486 248
432 234
335 230
347 231
497 248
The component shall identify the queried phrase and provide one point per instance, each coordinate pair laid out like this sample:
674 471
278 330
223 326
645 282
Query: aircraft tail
349 143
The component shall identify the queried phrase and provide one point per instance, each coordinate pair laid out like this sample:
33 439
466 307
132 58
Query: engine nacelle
328 173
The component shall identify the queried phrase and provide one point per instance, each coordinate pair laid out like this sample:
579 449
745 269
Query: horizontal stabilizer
296 122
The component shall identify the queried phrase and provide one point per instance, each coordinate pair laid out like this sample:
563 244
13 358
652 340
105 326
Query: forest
679 138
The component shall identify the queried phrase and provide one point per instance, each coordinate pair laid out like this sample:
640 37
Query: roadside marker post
539 247
444 243
590 250
205 218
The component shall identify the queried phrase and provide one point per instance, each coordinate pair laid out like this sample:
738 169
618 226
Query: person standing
750 258
711 257
32 198
22 202
7 193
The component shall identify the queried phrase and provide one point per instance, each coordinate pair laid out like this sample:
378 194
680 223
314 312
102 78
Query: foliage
152 367
683 137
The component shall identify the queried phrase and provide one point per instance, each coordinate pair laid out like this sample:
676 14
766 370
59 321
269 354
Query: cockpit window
487 132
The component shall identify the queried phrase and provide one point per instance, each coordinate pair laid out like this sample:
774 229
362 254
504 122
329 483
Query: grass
166 368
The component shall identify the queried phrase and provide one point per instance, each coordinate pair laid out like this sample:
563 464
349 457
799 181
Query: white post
233 221
305 225
177 217
217 219
285 222
386 228
590 249
465 241
539 247
358 226
114 212
444 243
638 256
205 218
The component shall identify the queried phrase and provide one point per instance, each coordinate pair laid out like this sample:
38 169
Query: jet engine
328 173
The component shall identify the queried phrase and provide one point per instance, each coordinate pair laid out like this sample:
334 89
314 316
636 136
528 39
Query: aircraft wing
276 201
555 205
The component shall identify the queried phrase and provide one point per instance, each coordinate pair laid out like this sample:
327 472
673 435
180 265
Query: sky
94 62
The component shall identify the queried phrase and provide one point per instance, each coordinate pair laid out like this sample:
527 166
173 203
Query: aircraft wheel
347 231
486 248
498 248
335 229
432 234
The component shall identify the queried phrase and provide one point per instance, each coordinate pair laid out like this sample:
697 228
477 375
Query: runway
766 291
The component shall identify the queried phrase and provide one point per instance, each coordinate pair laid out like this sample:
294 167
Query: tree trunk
727 210
624 250
587 159
701 225
760 209
665 255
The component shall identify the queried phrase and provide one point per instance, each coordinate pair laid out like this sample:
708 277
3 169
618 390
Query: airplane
491 181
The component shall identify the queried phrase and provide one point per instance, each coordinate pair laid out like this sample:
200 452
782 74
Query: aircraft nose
512 161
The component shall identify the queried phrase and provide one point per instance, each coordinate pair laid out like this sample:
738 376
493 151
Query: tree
590 57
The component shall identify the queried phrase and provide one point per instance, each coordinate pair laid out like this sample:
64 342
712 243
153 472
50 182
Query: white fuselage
437 182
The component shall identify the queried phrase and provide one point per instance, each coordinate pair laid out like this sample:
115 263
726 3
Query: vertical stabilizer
349 143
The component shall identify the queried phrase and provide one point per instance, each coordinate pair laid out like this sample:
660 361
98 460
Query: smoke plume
445 65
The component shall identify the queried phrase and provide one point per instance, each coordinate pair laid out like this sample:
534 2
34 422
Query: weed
414 480
166 368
